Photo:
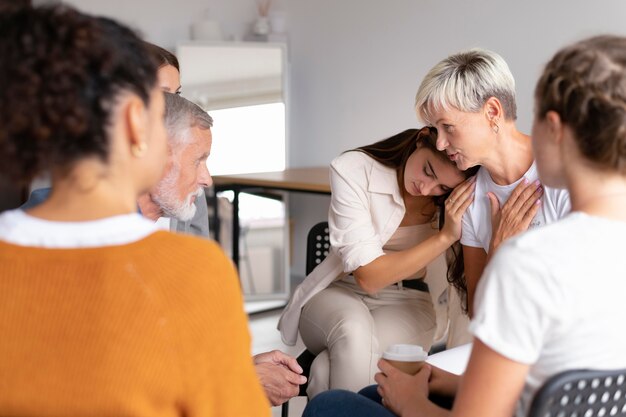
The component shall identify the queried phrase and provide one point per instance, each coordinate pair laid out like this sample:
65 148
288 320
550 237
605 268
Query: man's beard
166 197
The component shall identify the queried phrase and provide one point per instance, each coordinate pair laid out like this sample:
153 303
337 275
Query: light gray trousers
348 330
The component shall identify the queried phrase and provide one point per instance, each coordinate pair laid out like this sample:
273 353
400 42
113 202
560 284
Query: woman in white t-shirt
550 300
470 98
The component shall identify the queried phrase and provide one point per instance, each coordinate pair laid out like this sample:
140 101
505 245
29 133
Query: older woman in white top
384 276
470 98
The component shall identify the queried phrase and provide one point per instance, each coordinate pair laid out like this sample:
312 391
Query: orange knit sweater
152 328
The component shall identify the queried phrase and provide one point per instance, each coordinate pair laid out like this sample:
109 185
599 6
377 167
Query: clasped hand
279 374
516 214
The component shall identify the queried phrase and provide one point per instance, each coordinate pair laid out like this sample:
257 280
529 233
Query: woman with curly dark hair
101 313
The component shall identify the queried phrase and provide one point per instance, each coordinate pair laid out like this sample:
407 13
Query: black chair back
582 393
317 246
317 249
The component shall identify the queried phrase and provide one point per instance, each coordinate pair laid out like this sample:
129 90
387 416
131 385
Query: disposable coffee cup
407 358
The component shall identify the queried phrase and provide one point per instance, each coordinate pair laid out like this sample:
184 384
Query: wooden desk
312 180
304 180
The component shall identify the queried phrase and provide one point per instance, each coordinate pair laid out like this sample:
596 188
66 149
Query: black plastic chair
317 246
317 249
582 393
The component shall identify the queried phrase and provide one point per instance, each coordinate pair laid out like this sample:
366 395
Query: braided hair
585 84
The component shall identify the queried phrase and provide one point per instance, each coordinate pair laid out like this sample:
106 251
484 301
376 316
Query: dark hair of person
394 152
163 56
61 74
585 84
12 5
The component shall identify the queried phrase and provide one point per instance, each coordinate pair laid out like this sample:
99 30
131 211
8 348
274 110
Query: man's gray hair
180 116
465 81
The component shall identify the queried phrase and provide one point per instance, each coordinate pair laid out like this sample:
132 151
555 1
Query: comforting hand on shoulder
456 204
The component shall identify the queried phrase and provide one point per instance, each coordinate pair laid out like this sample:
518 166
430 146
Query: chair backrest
582 393
317 246
317 249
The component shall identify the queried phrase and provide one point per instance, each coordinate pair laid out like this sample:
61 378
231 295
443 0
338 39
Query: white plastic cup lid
405 353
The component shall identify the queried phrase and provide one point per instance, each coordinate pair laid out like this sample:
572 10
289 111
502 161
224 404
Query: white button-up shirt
366 209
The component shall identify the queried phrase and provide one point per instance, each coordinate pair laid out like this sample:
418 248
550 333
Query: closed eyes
448 128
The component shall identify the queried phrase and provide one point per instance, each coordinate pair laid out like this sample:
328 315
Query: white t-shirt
19 228
163 223
553 298
477 219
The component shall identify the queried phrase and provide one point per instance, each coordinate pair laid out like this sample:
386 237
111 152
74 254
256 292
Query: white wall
165 22
355 64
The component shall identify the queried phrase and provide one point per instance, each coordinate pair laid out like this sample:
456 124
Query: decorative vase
261 26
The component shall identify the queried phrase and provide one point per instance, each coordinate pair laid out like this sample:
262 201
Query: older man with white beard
189 138
177 202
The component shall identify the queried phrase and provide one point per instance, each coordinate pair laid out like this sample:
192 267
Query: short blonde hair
465 81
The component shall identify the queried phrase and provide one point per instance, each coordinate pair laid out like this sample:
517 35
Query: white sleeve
564 205
468 233
515 303
352 233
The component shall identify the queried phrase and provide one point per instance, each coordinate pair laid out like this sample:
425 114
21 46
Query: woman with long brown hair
384 276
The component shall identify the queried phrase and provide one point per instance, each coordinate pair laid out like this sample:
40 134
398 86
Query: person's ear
555 127
136 121
494 113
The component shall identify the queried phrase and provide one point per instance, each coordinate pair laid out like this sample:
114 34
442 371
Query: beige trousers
348 330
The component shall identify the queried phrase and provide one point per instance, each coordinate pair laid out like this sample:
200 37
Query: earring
496 128
138 149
